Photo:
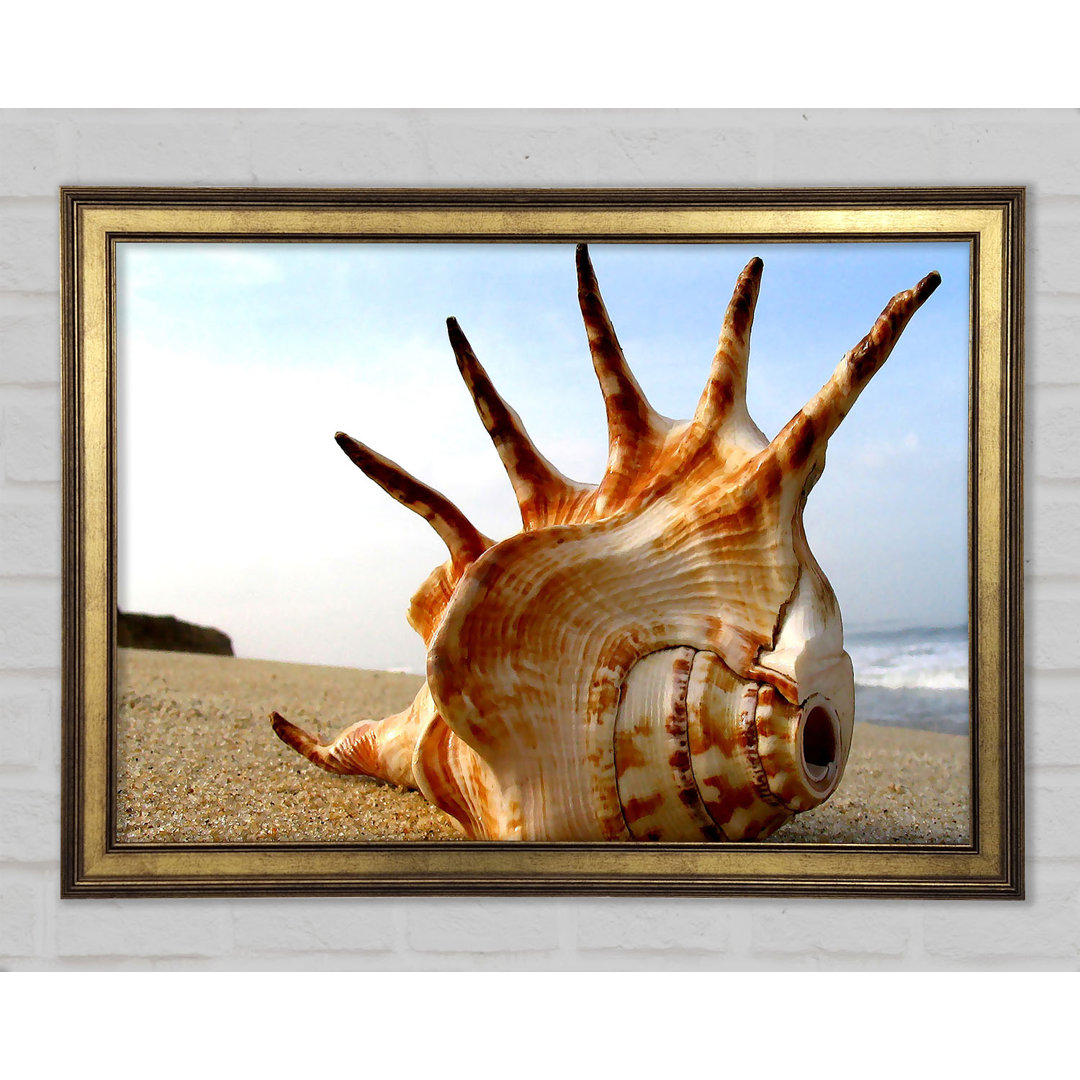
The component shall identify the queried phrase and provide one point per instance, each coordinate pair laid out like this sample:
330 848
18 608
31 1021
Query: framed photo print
535 541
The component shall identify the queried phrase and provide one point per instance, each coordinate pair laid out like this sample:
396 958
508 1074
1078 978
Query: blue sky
237 363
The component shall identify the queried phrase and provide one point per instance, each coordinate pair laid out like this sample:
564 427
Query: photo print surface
262 572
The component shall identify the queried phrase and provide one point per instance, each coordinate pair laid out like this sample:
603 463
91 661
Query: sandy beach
198 762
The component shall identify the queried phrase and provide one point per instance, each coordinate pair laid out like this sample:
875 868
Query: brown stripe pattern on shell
655 657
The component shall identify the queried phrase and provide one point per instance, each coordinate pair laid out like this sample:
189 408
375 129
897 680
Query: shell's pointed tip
755 265
582 249
458 342
348 443
291 735
283 729
928 284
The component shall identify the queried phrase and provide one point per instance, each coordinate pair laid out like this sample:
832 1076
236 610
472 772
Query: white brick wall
41 150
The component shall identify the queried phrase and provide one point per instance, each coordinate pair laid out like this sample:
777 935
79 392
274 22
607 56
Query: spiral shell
656 657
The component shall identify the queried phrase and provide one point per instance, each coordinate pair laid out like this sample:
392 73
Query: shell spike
464 541
307 745
382 749
798 446
628 410
533 477
634 427
726 385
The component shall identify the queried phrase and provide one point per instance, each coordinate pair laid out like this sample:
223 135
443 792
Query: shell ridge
724 747
654 773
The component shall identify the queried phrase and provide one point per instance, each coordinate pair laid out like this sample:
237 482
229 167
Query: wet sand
198 762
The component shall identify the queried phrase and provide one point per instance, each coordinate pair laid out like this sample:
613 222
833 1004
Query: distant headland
169 634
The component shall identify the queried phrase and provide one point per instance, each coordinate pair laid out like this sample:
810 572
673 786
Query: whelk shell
656 657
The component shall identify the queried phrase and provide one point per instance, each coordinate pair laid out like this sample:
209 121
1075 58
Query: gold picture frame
95 220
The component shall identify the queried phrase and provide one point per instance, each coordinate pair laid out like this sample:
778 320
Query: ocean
913 677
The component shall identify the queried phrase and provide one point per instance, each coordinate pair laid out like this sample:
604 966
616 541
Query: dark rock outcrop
169 634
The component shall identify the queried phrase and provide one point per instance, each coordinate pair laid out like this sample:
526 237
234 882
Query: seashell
656 657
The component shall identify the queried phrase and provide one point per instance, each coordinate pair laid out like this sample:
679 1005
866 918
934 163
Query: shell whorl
657 656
